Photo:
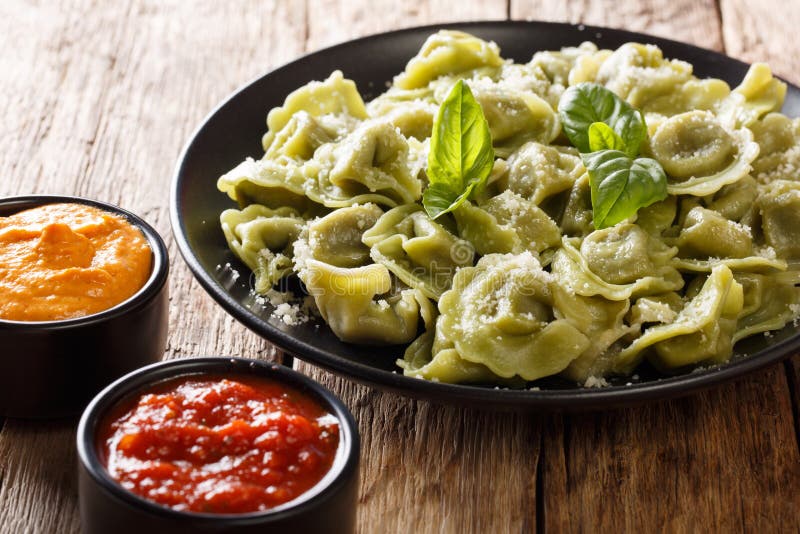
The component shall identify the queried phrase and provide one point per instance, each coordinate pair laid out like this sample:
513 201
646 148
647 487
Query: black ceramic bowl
233 131
53 368
105 506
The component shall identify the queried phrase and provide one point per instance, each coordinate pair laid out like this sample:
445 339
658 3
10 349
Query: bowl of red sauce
83 301
217 445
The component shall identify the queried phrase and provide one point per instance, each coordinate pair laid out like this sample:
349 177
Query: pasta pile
517 284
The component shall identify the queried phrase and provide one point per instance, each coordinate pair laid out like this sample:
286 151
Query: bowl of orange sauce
83 301
217 445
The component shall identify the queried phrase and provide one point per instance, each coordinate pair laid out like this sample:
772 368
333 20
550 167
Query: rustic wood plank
38 472
693 21
720 461
763 31
437 468
98 99
332 21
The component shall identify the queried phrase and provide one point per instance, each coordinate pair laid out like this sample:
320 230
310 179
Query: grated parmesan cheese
596 382
288 308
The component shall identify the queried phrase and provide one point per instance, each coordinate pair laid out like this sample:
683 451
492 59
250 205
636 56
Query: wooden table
97 99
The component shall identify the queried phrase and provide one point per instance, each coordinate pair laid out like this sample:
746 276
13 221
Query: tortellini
411 111
372 164
529 78
273 183
617 263
769 304
707 234
758 94
537 171
499 314
600 320
433 357
263 239
357 298
576 217
658 217
420 252
448 52
507 223
701 332
779 139
699 155
639 73
335 101
516 283
703 95
779 207
321 151
346 299
337 238
571 65
515 117
735 200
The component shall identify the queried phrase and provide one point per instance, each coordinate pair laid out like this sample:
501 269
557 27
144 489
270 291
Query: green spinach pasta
615 209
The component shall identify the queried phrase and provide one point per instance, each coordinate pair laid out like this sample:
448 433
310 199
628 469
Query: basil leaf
620 185
586 103
602 137
461 154
439 199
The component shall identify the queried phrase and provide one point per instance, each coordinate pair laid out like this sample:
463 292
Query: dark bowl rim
577 399
158 271
344 465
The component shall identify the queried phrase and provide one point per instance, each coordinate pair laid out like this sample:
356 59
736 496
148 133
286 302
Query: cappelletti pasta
517 283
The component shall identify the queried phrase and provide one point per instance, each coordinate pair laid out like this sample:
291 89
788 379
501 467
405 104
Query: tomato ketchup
214 444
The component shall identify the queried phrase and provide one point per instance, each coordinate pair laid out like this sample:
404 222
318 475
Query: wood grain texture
763 31
721 461
38 472
332 21
98 99
438 468
687 20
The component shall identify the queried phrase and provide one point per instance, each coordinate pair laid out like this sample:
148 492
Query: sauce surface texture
219 445
61 261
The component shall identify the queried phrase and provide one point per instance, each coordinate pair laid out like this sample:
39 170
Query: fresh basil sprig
461 154
621 185
587 103
609 133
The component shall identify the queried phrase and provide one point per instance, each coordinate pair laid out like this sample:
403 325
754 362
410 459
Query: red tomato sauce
210 444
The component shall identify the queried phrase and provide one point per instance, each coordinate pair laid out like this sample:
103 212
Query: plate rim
572 399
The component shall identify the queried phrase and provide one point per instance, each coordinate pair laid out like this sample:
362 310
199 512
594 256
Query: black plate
233 131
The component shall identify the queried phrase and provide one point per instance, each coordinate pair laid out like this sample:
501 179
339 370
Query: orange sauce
61 261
